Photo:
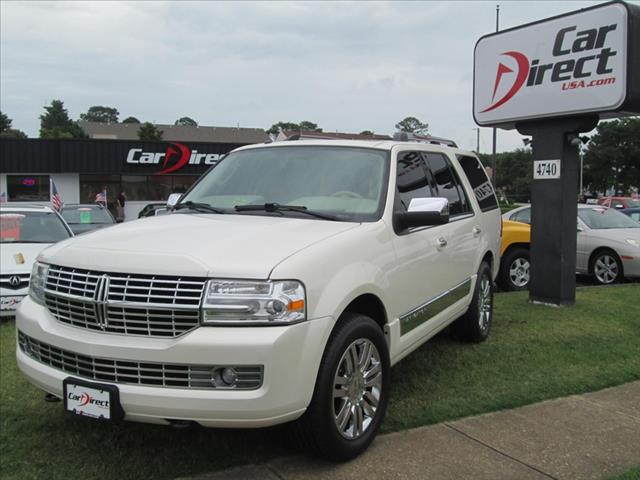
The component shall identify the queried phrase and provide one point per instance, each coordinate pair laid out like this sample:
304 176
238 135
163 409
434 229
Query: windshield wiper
198 206
276 207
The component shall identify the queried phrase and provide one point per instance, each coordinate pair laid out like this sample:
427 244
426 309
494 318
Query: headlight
253 302
38 281
633 241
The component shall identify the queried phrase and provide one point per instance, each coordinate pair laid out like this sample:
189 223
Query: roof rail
412 137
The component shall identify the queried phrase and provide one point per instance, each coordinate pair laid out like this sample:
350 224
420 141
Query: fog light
224 377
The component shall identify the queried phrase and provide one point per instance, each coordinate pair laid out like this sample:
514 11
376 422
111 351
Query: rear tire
515 270
475 325
351 393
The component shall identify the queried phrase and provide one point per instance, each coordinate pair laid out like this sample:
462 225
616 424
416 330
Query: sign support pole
554 209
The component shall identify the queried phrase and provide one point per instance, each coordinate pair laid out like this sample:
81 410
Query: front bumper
290 355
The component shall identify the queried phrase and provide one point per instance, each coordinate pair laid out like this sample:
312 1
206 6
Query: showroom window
28 188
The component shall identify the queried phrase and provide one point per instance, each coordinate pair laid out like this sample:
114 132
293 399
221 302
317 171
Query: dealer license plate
9 303
91 399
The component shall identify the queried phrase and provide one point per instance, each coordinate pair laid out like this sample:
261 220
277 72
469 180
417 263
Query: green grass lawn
534 353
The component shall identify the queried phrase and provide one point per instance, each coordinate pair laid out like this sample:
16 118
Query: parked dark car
150 209
83 218
634 213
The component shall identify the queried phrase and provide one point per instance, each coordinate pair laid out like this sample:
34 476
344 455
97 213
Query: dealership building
113 159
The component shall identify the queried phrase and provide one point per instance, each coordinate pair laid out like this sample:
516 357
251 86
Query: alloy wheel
357 387
484 303
519 272
606 269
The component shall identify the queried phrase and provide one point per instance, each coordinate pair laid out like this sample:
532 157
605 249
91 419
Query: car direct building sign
582 62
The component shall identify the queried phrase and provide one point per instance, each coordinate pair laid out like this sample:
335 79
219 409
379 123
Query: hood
234 246
12 254
615 234
79 228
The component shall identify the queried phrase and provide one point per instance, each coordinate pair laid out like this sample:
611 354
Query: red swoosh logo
185 153
523 70
84 399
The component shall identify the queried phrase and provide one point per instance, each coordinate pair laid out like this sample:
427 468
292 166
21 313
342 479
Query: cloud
348 66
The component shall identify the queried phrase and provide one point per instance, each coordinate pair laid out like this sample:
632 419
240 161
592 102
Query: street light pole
493 151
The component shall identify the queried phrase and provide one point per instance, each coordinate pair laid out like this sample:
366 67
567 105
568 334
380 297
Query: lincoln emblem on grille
101 299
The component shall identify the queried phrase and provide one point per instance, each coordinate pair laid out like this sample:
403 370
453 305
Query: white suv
283 286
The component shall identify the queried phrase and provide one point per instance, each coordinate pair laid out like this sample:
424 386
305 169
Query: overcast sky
346 66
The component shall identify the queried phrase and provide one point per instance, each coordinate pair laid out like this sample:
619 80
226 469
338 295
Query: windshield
32 227
88 214
348 183
633 203
601 218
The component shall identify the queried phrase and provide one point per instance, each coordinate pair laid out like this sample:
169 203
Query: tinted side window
447 183
412 179
482 187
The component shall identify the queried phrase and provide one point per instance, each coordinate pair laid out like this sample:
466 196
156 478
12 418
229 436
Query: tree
612 158
5 128
367 132
100 114
55 123
304 126
307 126
148 131
131 120
5 122
186 122
515 173
412 125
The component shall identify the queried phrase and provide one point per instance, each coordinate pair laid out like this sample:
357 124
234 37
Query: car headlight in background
253 302
38 281
633 241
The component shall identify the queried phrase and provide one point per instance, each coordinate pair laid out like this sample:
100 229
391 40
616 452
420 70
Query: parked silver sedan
608 243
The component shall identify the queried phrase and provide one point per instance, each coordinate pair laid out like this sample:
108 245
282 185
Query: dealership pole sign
553 79
584 62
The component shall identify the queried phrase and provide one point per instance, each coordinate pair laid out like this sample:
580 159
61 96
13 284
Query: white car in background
608 244
25 230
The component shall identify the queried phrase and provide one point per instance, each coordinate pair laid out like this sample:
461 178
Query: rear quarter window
480 183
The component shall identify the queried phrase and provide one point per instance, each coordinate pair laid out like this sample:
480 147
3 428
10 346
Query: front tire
351 393
606 267
475 325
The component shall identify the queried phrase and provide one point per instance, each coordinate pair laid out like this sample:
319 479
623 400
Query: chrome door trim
431 308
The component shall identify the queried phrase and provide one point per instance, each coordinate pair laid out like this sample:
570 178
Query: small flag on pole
56 201
101 197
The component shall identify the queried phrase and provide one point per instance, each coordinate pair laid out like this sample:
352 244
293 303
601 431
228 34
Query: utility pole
494 171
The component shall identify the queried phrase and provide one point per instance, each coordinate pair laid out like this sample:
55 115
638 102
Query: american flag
101 197
56 201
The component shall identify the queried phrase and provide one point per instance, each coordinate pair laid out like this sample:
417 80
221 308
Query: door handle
476 231
442 242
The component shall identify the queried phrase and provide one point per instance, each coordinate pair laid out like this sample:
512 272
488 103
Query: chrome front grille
170 375
14 281
128 304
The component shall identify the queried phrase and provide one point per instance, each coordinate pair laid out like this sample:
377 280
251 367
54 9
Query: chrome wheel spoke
365 356
357 421
343 417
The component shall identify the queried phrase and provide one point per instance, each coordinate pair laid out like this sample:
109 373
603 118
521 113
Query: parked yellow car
514 254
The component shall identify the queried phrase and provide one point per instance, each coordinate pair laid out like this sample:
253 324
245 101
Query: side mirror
580 229
423 212
173 199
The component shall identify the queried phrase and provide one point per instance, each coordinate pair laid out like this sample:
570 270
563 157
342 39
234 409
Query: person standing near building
120 201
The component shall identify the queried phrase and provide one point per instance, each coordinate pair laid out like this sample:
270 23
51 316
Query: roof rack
412 137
